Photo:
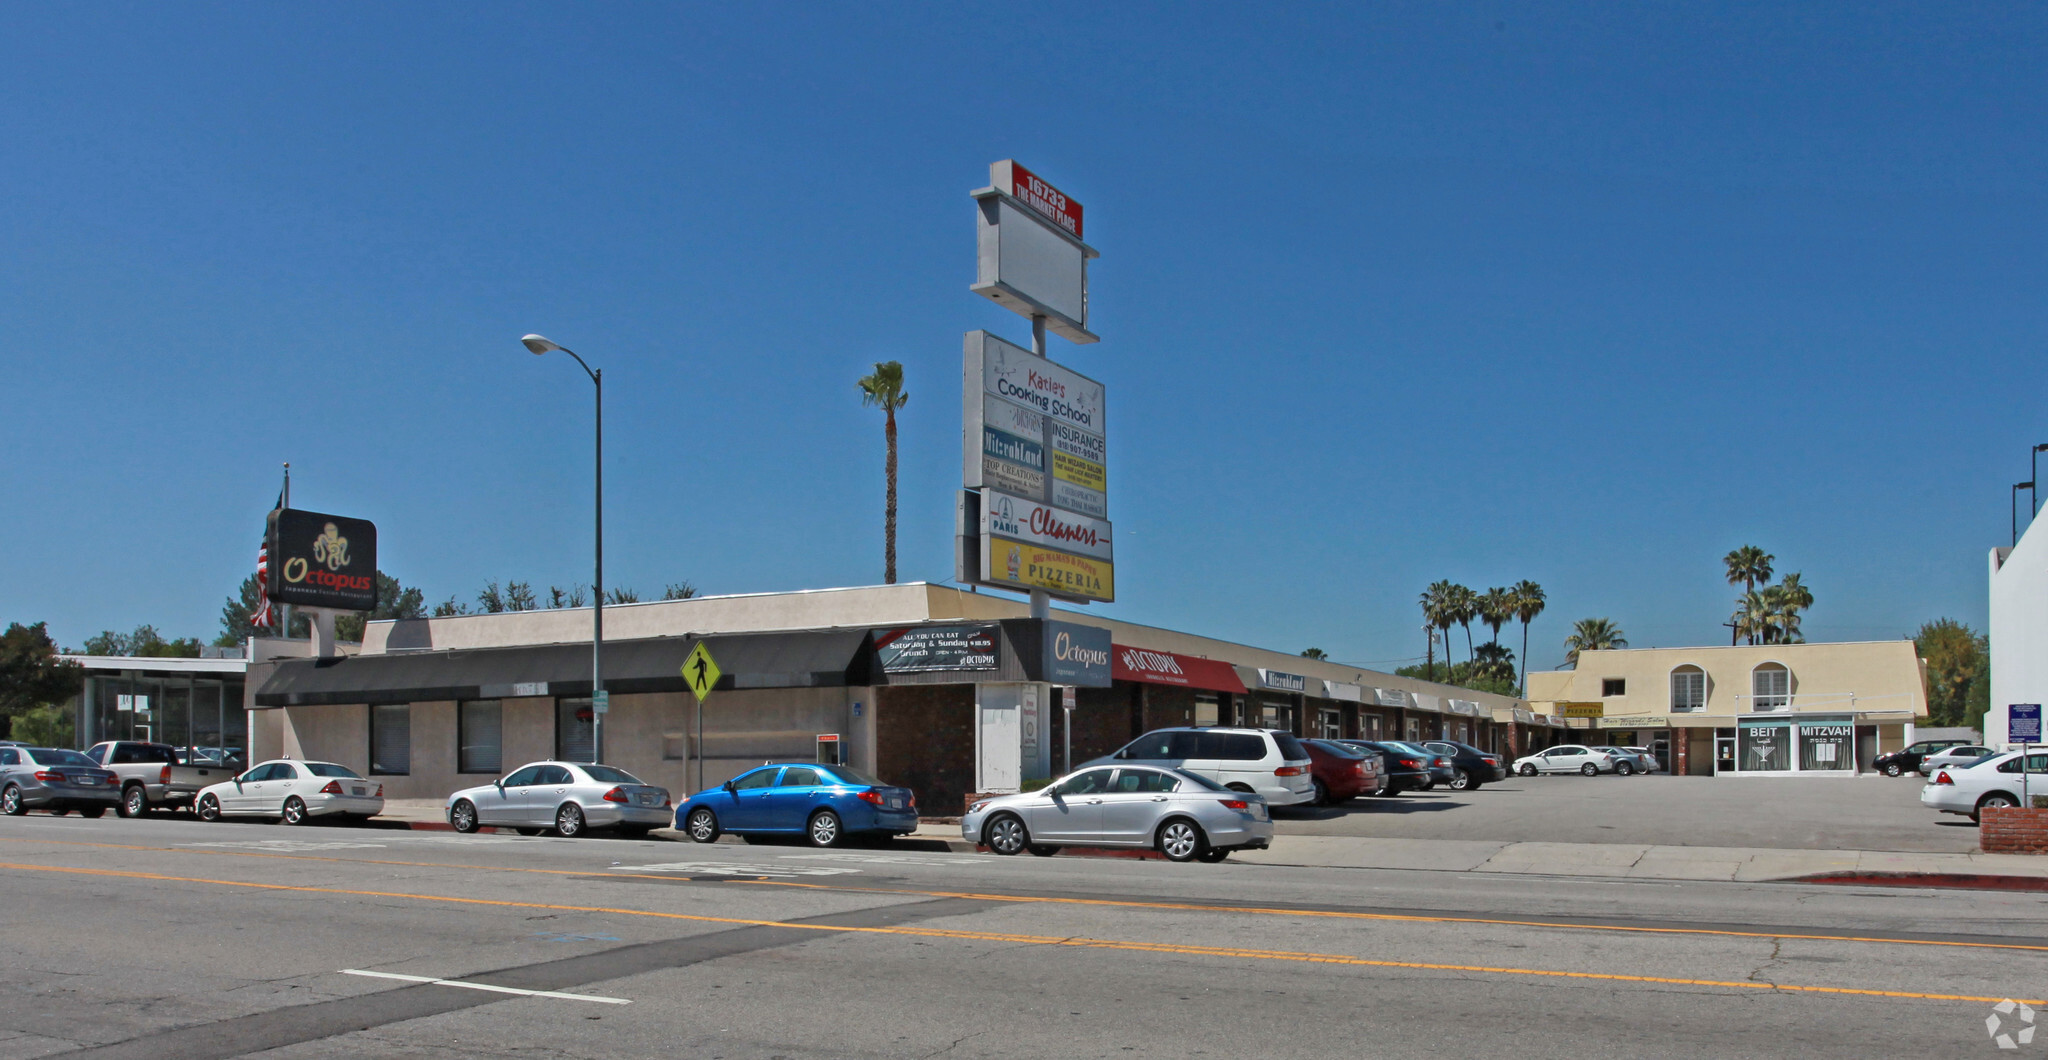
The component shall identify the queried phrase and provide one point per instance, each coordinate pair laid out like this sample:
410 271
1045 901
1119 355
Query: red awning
1171 668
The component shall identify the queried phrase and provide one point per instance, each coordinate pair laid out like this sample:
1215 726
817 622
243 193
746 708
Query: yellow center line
1113 903
1039 940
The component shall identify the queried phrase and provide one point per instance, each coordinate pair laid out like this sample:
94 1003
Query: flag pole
285 610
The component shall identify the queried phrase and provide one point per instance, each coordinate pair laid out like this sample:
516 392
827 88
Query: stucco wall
2019 630
1882 676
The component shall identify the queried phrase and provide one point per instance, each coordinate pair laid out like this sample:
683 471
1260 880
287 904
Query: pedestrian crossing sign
700 672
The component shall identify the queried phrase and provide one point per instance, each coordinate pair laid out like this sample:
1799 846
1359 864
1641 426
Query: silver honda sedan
1185 816
570 797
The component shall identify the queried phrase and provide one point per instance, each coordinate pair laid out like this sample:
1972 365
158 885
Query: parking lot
1864 813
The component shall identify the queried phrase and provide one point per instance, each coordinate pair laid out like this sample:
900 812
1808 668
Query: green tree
1314 653
679 591
1749 567
1592 634
47 726
1496 609
1464 604
1436 611
236 618
1461 675
452 606
1528 604
1958 659
393 601
884 390
574 596
621 595
144 643
1495 663
31 674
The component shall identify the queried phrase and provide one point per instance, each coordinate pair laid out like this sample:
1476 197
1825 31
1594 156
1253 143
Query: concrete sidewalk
1604 860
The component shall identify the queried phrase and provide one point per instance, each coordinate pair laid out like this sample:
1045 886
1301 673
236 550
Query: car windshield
329 769
850 775
609 774
1196 780
50 756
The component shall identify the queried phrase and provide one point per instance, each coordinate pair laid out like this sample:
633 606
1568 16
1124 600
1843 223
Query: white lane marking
287 846
487 986
708 869
891 859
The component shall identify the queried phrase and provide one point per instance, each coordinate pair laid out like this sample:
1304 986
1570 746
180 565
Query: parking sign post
2023 723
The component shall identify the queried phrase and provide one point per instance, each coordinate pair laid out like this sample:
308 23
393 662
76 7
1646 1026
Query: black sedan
1907 761
1471 768
1404 768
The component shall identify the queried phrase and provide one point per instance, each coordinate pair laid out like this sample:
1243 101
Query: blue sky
1389 293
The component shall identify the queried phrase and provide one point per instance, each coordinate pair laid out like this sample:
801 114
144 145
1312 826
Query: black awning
801 659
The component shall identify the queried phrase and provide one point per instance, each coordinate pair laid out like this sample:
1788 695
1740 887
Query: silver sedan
570 797
1185 816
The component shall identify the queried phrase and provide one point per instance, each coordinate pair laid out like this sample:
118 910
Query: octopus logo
331 548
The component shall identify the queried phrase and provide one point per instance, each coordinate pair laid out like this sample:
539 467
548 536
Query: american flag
261 616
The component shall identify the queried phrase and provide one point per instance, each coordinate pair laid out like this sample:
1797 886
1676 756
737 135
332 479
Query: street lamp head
2018 486
538 344
2042 448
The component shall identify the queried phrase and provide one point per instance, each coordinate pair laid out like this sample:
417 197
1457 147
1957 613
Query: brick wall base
2014 831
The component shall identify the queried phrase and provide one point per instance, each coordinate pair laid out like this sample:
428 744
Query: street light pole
539 345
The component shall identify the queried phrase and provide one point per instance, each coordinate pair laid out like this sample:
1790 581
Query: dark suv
1901 763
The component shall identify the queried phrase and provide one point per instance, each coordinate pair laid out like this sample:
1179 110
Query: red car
1340 773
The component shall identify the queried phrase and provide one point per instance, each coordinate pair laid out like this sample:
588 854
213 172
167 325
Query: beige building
1774 710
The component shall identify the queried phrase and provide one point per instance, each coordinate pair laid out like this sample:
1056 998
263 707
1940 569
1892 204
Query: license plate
361 791
647 800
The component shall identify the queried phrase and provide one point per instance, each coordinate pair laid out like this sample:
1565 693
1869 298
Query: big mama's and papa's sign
319 560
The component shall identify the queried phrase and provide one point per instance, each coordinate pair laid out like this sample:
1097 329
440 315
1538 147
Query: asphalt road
176 939
1861 813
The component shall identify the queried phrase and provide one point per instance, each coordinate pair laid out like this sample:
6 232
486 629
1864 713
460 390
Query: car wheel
1322 794
1589 769
134 802
1997 800
569 821
1006 835
10 802
1528 770
208 808
1181 840
1461 780
1042 850
1624 769
294 811
1891 769
529 831
824 829
463 816
1212 855
702 825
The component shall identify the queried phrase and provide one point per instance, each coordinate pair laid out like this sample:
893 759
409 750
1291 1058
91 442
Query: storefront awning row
1148 666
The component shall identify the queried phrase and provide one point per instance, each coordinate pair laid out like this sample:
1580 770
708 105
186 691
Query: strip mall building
943 690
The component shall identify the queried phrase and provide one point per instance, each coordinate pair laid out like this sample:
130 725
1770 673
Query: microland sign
1044 200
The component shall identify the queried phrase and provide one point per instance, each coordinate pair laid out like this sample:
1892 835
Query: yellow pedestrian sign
701 672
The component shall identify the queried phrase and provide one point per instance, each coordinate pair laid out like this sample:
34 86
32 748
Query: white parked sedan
1566 758
1953 758
292 791
569 797
1996 781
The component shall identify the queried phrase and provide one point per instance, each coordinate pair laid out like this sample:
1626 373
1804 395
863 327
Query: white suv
1268 762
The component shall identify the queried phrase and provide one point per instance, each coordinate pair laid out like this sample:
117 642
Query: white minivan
1268 762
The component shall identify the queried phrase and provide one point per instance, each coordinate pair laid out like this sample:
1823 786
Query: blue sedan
825 804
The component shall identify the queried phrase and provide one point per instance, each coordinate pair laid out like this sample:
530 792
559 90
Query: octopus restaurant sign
317 560
1076 655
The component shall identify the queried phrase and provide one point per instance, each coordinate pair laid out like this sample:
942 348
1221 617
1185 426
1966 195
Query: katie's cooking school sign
321 560
1033 427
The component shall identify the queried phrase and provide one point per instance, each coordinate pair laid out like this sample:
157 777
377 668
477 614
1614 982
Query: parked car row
1588 761
1993 779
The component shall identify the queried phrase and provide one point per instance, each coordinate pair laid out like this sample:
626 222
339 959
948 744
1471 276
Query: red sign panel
1172 668
1047 201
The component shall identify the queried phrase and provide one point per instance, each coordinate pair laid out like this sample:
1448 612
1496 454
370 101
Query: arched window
1770 687
1688 689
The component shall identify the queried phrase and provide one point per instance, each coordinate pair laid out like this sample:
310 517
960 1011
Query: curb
1965 881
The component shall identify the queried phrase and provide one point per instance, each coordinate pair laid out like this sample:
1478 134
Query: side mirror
730 790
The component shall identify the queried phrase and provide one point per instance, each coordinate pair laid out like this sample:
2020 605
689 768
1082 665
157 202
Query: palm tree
1496 609
1528 604
1432 601
1752 617
1314 653
884 390
1464 605
1749 567
1438 611
1593 634
1496 662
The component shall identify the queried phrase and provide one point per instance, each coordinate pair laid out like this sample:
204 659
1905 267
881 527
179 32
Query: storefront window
479 737
573 741
1765 748
1827 746
1205 710
391 739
